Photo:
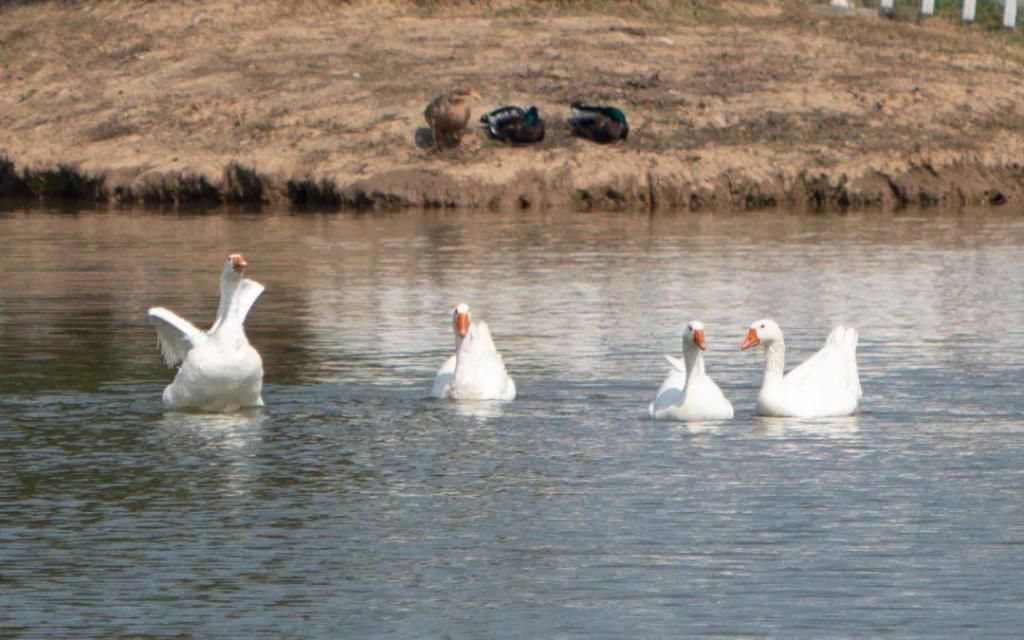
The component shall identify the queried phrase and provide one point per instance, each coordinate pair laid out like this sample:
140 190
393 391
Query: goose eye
762 326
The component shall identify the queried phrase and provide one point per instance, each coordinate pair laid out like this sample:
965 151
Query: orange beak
238 261
751 341
462 324
698 339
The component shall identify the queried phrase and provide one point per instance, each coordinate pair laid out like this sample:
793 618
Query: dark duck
514 124
597 123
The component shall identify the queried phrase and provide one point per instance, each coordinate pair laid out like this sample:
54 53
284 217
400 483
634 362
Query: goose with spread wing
476 371
220 370
825 385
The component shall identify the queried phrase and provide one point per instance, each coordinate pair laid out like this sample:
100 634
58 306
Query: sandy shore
731 105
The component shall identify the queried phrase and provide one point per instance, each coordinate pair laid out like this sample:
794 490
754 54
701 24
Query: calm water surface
354 506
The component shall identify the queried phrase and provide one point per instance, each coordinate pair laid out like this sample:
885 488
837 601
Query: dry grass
334 91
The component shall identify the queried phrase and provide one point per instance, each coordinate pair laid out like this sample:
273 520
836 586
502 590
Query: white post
1010 14
886 6
969 6
928 7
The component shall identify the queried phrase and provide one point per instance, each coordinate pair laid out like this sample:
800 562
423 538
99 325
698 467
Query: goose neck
229 282
694 360
775 358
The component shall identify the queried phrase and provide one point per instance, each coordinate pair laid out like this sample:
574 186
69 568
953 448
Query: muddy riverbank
732 105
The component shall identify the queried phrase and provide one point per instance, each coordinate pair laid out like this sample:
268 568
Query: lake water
355 506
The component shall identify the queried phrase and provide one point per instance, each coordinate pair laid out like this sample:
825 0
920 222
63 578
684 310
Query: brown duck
448 113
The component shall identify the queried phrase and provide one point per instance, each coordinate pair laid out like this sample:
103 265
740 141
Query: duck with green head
514 124
598 123
448 114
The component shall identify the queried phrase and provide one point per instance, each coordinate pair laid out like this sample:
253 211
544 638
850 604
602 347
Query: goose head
238 262
460 320
234 268
230 280
693 336
764 331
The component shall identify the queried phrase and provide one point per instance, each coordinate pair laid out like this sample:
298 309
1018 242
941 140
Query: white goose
825 385
476 371
220 371
688 392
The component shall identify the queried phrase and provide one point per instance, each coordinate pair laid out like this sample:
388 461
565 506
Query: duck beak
474 94
462 324
238 262
698 339
751 341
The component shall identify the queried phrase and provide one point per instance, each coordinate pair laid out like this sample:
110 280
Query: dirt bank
734 104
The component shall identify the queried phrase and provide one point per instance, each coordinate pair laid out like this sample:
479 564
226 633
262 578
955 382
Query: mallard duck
600 124
512 124
448 113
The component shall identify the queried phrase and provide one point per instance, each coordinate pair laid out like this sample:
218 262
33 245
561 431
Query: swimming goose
220 371
825 385
476 371
688 392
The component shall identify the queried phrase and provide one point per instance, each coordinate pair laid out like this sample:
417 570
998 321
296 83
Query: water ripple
354 502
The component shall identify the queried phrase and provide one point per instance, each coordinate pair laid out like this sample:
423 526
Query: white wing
510 389
246 295
443 379
676 363
670 393
489 360
482 340
175 335
480 371
831 373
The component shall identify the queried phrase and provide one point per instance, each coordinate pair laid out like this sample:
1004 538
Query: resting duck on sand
514 124
448 113
598 123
